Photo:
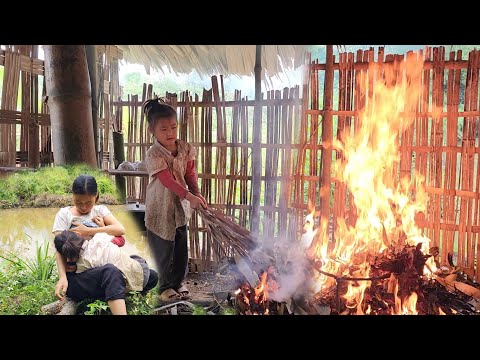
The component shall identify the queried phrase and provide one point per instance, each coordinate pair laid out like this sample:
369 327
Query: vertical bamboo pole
256 150
33 126
451 157
327 133
312 131
296 114
267 226
422 135
276 155
232 184
339 193
437 137
285 140
349 128
26 109
473 106
244 164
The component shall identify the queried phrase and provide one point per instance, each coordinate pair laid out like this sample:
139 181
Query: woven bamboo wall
449 137
22 117
222 133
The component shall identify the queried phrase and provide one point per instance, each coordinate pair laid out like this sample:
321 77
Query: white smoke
289 259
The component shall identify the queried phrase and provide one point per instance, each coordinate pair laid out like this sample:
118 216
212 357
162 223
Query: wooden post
327 135
119 157
69 100
256 150
33 146
91 51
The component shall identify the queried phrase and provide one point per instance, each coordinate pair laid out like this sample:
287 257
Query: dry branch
227 234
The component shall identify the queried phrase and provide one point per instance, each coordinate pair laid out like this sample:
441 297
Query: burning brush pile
381 263
377 261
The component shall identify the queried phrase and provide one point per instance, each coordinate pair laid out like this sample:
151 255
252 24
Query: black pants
102 283
170 275
152 281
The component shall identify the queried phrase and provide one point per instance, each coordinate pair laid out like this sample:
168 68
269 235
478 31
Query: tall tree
69 101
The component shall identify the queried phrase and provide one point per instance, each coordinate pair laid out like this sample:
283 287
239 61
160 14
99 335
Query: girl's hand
195 201
204 202
61 288
99 221
83 230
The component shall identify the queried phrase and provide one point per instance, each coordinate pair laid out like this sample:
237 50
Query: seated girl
99 251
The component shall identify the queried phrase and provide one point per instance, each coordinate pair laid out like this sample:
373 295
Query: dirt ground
208 291
208 286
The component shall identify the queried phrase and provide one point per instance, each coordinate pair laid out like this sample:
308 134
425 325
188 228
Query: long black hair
85 185
157 109
68 244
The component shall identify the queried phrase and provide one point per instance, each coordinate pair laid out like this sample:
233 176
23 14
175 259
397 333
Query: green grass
27 284
22 188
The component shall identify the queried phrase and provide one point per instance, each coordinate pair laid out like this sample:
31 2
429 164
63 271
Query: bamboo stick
437 135
475 251
465 178
244 164
327 138
339 205
448 200
349 128
475 181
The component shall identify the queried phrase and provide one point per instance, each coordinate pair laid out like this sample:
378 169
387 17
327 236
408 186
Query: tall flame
385 204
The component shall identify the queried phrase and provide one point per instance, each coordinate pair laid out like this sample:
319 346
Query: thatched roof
214 59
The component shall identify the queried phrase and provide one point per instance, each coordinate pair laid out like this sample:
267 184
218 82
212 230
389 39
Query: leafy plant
40 267
98 307
22 294
228 311
198 310
138 304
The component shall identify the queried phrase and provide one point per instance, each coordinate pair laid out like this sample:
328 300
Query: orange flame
256 299
384 203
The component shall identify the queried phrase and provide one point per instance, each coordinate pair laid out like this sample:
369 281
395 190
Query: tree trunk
69 101
91 51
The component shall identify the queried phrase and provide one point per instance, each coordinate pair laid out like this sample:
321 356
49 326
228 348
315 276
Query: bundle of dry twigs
226 233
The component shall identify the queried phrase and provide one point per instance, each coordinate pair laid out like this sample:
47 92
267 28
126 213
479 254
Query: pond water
21 229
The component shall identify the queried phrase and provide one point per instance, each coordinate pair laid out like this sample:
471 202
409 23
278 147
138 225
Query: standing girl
172 190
